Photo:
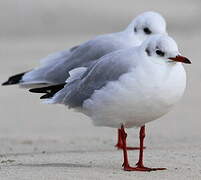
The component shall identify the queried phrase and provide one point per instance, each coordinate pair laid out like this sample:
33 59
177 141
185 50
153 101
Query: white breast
138 97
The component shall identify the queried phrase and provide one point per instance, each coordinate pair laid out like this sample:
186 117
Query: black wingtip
5 83
38 90
46 96
14 79
48 91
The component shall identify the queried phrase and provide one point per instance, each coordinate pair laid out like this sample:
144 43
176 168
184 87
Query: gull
129 88
57 67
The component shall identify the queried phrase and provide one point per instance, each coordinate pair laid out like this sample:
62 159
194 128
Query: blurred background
32 29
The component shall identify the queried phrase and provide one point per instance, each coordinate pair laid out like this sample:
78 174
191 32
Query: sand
42 142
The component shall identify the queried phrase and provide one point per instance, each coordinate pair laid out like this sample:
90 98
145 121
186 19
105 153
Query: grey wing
81 56
107 69
39 75
55 57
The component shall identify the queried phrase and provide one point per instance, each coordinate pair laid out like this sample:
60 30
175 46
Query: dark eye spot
135 29
148 52
160 53
147 30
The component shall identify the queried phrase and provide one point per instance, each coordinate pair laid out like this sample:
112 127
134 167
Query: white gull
129 88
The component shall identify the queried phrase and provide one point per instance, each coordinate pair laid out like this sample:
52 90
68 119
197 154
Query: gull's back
57 72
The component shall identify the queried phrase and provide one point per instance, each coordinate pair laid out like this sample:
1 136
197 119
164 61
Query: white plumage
136 86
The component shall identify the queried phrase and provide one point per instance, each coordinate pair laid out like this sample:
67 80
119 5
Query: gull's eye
135 29
160 53
147 30
148 52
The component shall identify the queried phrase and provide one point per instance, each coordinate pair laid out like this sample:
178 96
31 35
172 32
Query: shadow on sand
57 165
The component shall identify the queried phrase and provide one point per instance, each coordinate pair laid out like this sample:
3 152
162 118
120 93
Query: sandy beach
40 141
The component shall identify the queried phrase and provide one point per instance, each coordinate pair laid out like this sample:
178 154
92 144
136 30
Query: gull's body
125 87
134 99
55 68
129 88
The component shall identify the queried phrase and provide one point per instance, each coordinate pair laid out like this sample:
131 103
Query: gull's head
162 48
146 24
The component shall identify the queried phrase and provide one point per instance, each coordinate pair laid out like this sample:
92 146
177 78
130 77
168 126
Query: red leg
142 136
140 166
119 144
119 141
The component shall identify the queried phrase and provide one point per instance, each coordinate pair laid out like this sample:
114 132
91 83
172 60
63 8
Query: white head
162 48
146 24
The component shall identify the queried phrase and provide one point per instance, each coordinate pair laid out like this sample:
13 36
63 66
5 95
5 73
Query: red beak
181 59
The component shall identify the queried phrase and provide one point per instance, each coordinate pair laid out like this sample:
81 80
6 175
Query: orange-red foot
119 146
128 168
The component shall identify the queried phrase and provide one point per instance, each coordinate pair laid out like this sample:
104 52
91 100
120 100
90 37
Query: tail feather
14 79
49 91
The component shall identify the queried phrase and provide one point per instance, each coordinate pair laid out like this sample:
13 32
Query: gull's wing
81 56
53 58
108 68
39 75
